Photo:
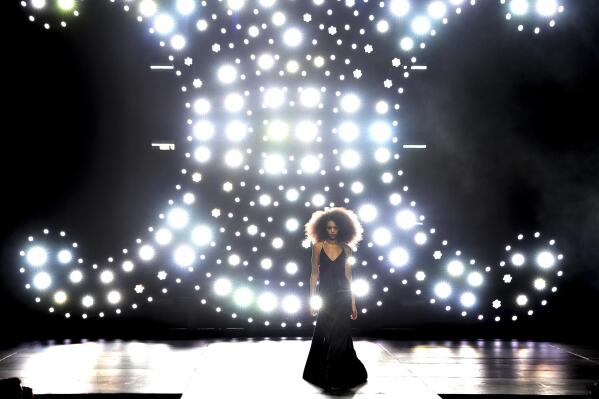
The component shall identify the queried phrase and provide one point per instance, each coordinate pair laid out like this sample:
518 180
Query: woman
332 361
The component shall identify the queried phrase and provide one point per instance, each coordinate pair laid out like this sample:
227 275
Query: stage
272 367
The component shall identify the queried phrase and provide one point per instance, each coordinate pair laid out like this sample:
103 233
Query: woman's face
332 229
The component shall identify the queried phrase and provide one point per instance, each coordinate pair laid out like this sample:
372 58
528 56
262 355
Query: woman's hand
354 311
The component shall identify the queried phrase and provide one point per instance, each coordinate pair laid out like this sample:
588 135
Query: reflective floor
273 368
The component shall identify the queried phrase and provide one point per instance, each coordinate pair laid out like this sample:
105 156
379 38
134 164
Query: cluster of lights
285 115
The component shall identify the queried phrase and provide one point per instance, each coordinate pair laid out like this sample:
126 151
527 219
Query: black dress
332 361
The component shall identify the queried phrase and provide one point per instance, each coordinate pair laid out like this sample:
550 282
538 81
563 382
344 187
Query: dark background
509 119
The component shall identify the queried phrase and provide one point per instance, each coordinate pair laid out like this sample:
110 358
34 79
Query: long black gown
332 361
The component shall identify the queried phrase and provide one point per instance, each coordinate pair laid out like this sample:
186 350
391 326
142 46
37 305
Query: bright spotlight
277 130
65 256
185 7
292 37
540 284
36 256
421 25
521 300
399 7
274 164
437 9
291 224
367 213
405 219
201 235
42 281
267 302
146 252
227 74
274 98
66 5
399 257
310 97
177 218
380 131
348 131
310 164
546 8
316 302
360 287
184 256
545 259
350 159
76 276
350 103
87 301
475 279
203 130
291 304
164 24
455 268
106 277
60 297
266 61
291 268
113 297
442 290
236 130
381 236
468 299
306 131
148 8
420 238
243 297
406 43
222 286
234 158
519 7
163 236
517 259
234 102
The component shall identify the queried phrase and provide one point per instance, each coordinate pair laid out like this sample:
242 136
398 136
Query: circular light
350 159
367 213
127 266
163 236
274 98
222 286
266 61
39 4
76 276
545 259
399 7
519 7
310 164
178 42
202 154
201 235
234 158
540 284
406 43
421 25
380 131
350 103
234 102
65 256
306 131
292 37
274 164
87 301
177 218
310 97
146 252
420 238
201 106
442 290
60 297
107 277
455 268
405 219
468 299
185 7
148 8
66 5
267 302
243 297
291 268
360 287
164 24
381 236
521 300
291 304
42 281
348 131
114 297
399 257
227 74
475 279
437 9
236 130
36 256
546 8
517 259
203 130
291 224
184 256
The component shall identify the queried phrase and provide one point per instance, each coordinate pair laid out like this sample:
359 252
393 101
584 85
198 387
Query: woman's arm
315 268
348 267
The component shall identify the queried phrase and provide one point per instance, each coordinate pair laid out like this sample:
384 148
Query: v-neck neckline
327 255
